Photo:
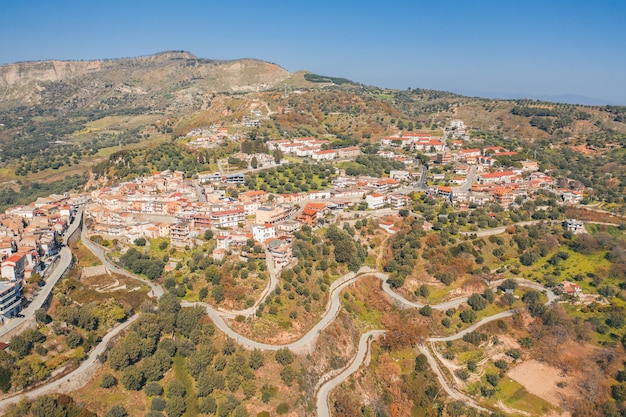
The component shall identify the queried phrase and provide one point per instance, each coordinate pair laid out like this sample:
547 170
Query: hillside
63 117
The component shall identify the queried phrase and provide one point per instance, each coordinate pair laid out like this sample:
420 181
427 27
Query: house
398 201
570 288
272 215
180 233
10 298
530 165
288 226
457 124
308 216
375 201
228 218
445 192
497 177
319 195
327 155
432 145
571 196
573 225
263 232
399 175
234 179
280 251
503 196
444 158
348 153
12 268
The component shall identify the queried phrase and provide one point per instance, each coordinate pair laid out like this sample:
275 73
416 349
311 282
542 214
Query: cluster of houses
207 138
29 234
313 148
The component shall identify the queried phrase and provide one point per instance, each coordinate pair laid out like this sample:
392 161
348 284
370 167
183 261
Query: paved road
363 352
305 344
272 283
61 266
452 393
502 229
78 377
155 289
468 181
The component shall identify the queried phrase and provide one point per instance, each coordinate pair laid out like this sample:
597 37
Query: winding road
304 345
323 409
62 264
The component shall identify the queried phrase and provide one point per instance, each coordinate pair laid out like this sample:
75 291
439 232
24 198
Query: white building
263 232
375 201
10 298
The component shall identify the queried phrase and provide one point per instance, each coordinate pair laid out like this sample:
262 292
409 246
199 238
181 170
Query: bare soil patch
541 380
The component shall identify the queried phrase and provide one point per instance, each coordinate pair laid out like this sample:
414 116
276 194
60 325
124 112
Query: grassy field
514 395
122 122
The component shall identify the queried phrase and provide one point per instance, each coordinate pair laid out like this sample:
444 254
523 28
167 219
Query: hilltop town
315 247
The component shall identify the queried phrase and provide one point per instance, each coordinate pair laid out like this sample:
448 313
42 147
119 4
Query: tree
153 389
158 404
168 303
140 241
288 375
118 358
218 294
284 356
254 162
256 359
426 311
477 302
108 381
421 363
116 411
132 379
509 284
5 379
20 345
175 407
468 316
43 406
207 405
175 389
74 339
278 156
41 316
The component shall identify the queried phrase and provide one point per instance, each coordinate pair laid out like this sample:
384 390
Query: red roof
498 174
227 212
427 135
14 258
445 189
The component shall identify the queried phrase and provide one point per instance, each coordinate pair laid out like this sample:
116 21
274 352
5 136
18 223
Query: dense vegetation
314 78
30 192
372 165
292 178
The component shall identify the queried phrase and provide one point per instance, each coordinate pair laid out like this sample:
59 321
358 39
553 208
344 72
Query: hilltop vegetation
62 117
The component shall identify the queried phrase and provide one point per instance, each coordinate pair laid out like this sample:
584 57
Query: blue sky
525 47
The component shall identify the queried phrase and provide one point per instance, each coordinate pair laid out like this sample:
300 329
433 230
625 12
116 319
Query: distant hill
150 81
561 98
58 118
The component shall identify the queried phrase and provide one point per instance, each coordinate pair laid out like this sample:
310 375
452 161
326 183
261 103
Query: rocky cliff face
154 77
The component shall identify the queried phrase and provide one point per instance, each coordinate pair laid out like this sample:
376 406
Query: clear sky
500 46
